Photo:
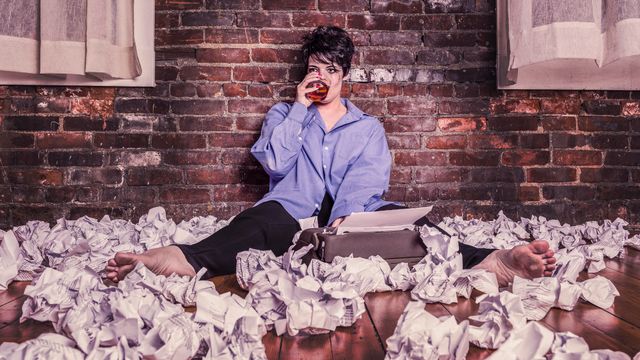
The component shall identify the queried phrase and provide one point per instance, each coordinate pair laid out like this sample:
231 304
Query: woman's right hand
302 90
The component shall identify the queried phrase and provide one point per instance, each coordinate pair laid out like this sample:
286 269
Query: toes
539 246
548 273
550 261
111 262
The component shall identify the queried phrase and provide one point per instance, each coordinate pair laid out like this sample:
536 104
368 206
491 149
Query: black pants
269 226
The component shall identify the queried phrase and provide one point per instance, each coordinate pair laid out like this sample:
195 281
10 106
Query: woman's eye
331 71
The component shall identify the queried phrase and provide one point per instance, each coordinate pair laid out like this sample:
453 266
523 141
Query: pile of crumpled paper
144 314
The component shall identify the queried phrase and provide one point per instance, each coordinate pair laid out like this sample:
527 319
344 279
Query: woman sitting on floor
325 158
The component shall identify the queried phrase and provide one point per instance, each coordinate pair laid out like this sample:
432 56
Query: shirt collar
353 113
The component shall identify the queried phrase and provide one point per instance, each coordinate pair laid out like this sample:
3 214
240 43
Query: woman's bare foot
526 261
162 261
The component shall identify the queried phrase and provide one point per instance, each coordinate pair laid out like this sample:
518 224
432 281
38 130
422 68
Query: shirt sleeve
367 179
281 138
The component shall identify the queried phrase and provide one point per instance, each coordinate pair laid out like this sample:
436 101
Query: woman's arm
366 180
281 138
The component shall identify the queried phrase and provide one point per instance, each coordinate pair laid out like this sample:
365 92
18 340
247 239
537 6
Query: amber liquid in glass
321 92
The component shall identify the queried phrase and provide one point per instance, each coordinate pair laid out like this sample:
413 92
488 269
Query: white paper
389 219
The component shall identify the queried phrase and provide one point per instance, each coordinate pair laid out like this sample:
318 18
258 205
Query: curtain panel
59 37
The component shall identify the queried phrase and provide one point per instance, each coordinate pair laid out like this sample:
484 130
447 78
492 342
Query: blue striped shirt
351 162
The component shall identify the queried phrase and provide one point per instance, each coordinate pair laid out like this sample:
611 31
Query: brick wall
426 68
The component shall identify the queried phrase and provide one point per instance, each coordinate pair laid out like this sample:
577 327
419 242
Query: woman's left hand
337 221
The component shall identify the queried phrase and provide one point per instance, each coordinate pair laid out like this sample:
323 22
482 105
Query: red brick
313 19
371 107
197 107
396 38
471 90
560 106
568 192
183 90
206 18
237 157
235 4
21 158
63 140
534 141
462 107
184 195
31 123
446 142
166 73
75 159
141 106
427 22
101 176
396 6
493 141
213 176
462 124
509 106
85 123
499 174
250 106
474 158
415 89
479 54
153 176
400 175
239 193
110 140
289 4
609 141
420 158
269 55
602 123
512 123
546 175
590 175
389 57
250 123
403 141
16 140
476 22
373 22
467 75
552 123
577 157
363 89
179 37
343 5
212 73
231 36
428 175
438 57
564 140
602 107
241 140
525 157
222 55
234 90
167 20
417 106
615 192
178 4
261 90
622 158
389 90
209 157
631 108
528 193
449 39
34 176
259 74
282 36
208 123
26 195
178 141
264 19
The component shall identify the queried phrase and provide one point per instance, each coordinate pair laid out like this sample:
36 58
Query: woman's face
332 75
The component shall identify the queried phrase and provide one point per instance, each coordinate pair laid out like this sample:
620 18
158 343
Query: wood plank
306 347
272 343
14 291
384 309
226 283
11 312
30 329
624 306
629 264
358 342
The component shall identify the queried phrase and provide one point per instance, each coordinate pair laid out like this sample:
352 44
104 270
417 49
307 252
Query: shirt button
324 166
300 138
326 148
317 205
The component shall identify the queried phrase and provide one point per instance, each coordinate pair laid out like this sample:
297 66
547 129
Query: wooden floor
617 328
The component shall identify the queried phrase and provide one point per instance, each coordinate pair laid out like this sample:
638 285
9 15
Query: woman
325 159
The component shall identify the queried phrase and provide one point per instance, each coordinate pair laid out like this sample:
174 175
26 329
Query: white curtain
58 37
550 32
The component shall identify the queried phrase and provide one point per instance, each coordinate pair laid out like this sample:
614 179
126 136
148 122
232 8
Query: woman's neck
331 112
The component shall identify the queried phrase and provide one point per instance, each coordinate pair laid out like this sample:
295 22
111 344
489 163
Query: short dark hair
330 44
